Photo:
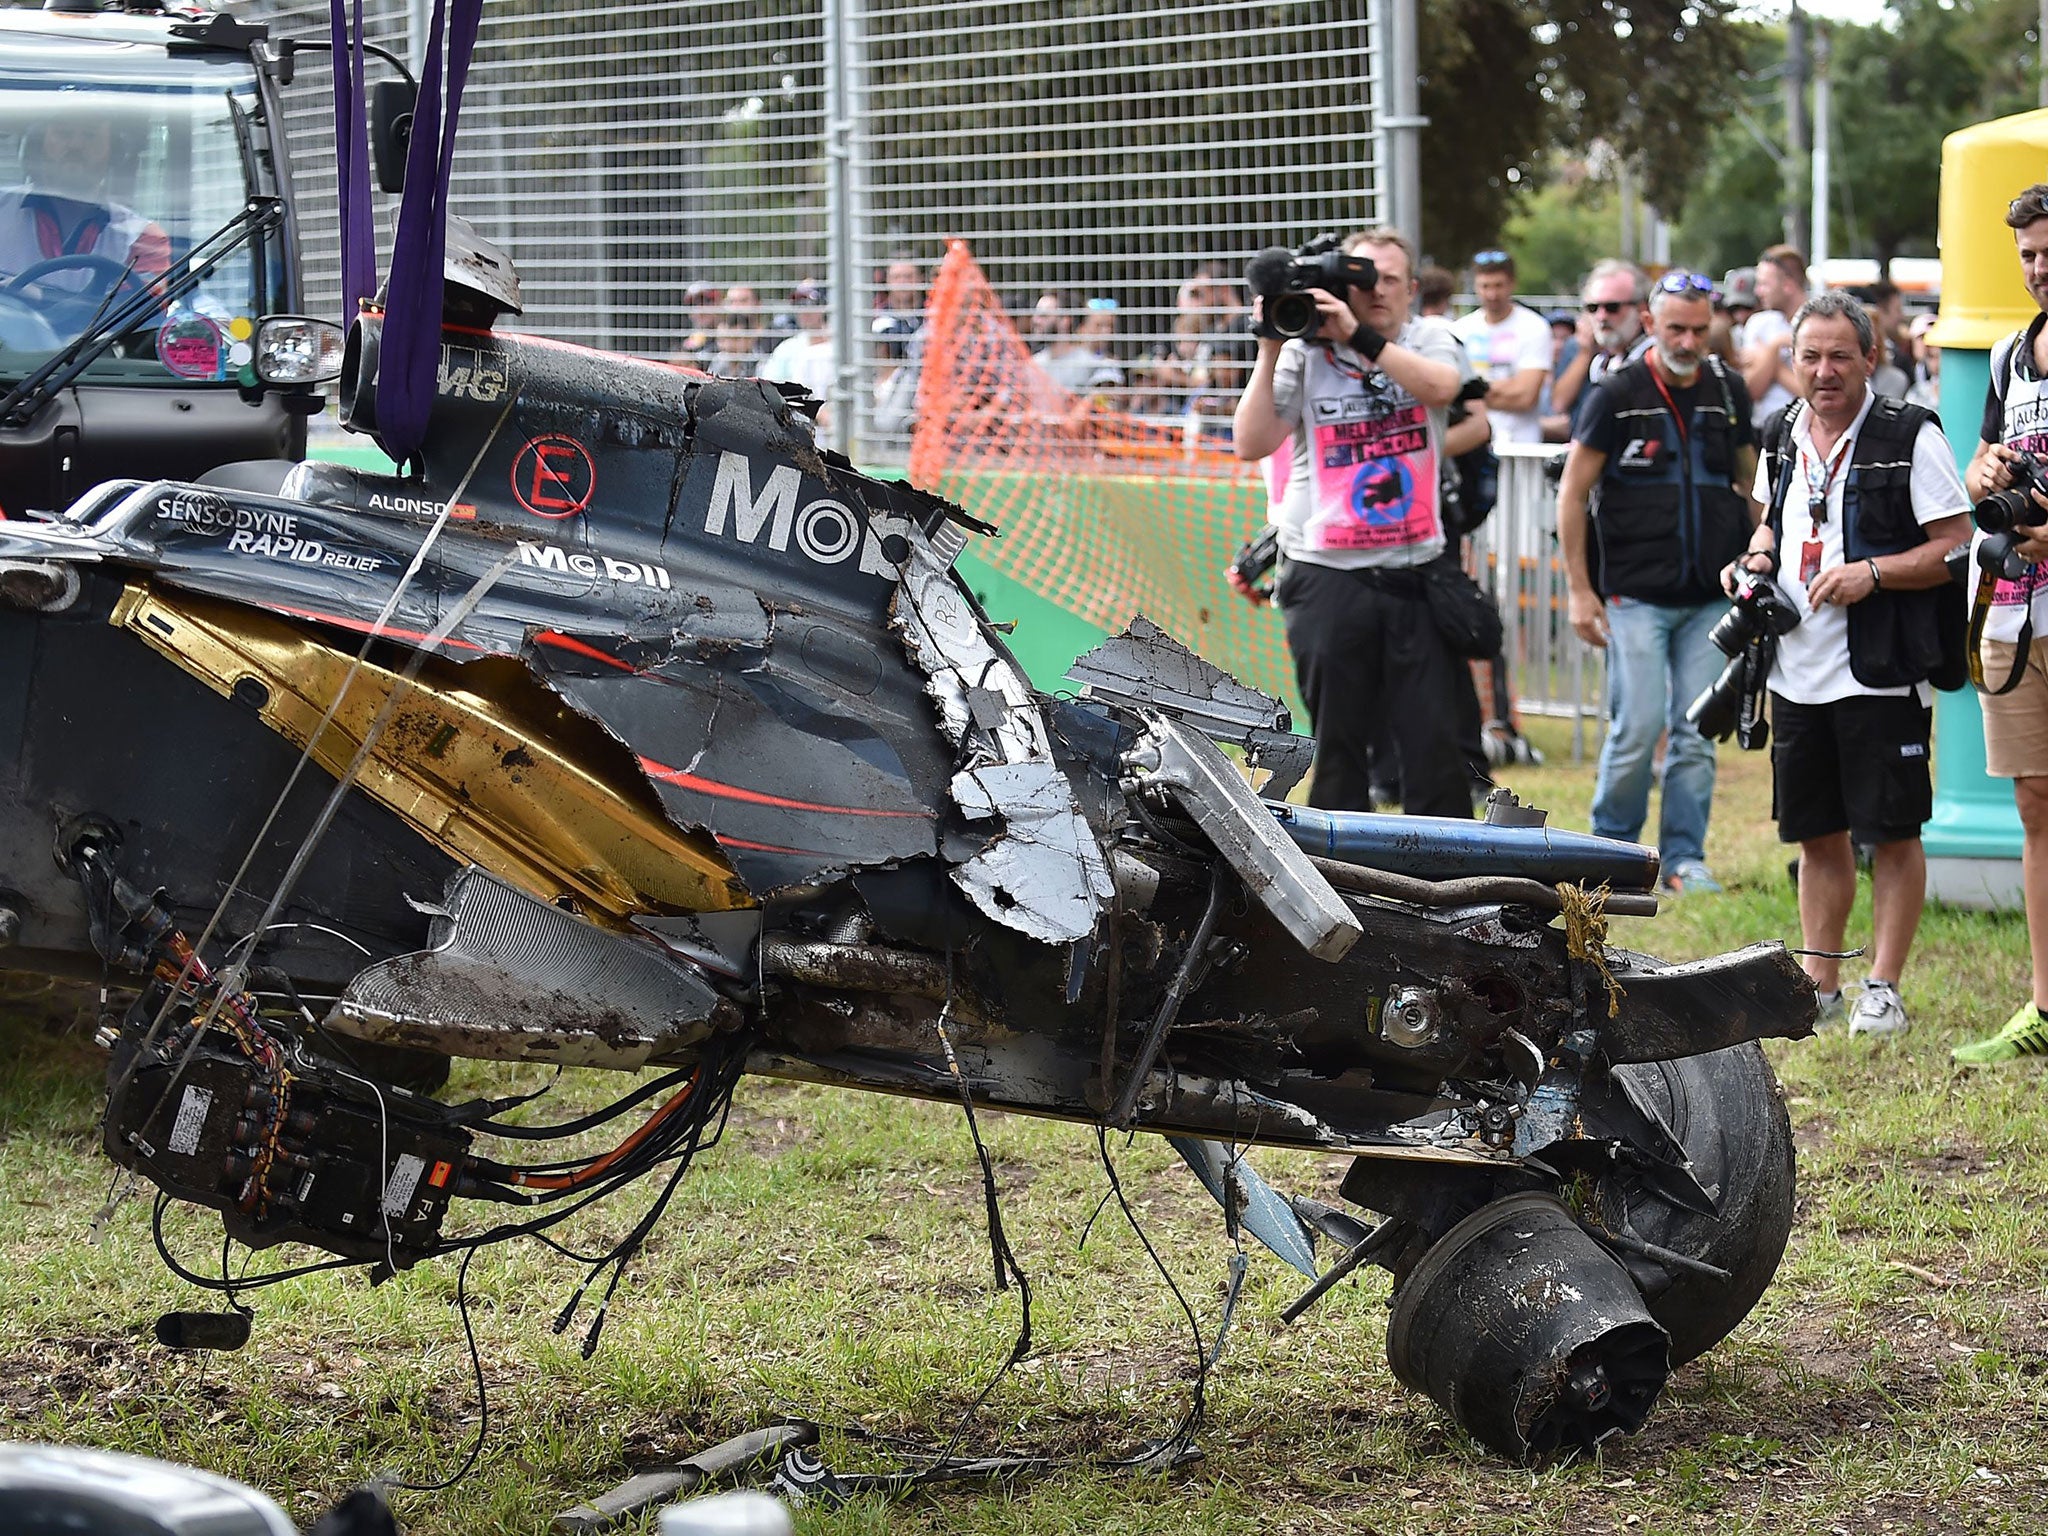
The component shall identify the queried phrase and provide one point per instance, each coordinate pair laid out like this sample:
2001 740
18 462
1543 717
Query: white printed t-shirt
1361 489
1498 353
1813 659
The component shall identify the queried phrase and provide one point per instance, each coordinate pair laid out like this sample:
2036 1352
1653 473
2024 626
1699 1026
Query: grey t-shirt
1364 474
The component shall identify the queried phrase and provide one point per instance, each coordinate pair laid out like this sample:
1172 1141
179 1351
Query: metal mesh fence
623 153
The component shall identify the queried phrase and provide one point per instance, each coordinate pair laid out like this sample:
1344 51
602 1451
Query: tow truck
146 227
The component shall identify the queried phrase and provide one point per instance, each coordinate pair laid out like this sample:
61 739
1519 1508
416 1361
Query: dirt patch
1110 1369
1813 1135
766 1133
1952 1160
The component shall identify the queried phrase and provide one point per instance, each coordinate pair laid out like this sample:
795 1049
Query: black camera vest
1895 638
1669 516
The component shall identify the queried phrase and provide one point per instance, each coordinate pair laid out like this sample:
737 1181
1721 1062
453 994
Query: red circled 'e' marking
553 477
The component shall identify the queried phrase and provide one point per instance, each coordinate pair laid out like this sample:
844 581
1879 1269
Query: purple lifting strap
352 151
409 368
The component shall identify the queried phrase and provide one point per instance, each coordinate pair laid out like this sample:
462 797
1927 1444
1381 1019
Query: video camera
1748 636
2004 512
1286 280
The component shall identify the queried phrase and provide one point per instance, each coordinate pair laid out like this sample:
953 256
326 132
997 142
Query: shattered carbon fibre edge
1042 872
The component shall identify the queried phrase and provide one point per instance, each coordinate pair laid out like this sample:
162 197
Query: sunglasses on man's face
1607 306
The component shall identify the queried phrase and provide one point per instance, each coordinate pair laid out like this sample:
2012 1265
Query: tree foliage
1900 87
1897 95
1560 230
1505 81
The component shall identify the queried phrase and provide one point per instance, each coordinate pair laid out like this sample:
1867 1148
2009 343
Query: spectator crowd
1750 468
1190 376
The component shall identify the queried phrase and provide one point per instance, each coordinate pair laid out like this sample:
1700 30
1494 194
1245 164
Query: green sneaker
2025 1034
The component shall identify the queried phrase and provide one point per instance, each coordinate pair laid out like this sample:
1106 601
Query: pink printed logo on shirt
1375 481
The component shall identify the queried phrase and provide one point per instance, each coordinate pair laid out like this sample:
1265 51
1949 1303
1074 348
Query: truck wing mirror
391 104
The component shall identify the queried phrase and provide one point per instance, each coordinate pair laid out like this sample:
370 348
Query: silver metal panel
1193 769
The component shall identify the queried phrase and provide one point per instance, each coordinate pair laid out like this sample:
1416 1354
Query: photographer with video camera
1864 504
1363 390
2008 662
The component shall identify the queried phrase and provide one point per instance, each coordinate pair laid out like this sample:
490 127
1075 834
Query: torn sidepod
1187 765
1145 666
1042 871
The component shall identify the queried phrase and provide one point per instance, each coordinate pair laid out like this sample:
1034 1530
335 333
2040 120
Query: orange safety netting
1103 513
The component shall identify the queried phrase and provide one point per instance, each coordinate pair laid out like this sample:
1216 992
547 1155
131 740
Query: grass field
829 1260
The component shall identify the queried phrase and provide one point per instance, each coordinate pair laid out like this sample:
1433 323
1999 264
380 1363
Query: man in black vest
1865 503
1662 447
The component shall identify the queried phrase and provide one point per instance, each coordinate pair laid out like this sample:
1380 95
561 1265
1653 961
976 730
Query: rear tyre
1726 1111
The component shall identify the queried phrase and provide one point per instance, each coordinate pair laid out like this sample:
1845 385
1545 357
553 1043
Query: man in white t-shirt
1860 554
1611 331
2016 718
805 357
1510 346
1767 334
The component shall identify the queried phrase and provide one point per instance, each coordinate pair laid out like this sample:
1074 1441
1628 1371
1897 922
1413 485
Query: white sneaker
1833 1009
1879 1011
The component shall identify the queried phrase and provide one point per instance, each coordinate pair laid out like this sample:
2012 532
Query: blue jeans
1659 659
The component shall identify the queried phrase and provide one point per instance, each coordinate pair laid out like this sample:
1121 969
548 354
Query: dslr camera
2003 512
1286 280
1258 556
1733 704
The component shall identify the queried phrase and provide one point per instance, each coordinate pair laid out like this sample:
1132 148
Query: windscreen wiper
245 143
259 216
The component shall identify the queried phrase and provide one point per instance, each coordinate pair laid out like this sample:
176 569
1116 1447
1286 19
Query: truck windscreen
103 184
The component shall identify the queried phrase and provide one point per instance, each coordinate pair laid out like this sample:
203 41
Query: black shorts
1857 765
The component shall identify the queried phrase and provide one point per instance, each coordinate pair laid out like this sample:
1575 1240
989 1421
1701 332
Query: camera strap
2019 353
1980 612
1781 483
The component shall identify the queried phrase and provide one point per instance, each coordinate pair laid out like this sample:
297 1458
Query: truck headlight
295 349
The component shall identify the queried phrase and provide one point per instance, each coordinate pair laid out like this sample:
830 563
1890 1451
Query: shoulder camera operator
1662 454
1865 503
1363 390
2014 612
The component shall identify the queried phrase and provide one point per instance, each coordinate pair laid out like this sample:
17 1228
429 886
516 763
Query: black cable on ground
483 1399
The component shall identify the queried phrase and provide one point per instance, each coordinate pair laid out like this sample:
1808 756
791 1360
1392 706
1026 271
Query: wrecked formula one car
628 729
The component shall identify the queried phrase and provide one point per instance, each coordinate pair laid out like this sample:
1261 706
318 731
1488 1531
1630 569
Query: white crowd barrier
1516 557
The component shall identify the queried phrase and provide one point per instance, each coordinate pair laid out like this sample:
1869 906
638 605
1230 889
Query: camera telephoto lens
1718 709
2003 511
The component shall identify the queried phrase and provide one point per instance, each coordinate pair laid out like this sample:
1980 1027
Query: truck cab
129 141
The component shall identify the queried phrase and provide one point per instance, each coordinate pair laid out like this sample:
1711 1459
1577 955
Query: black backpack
1470 481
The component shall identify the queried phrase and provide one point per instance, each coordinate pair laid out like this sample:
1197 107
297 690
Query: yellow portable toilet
1973 840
